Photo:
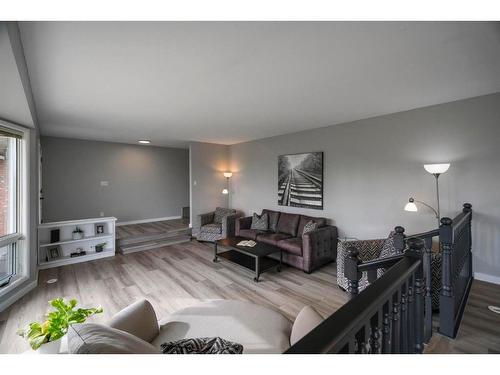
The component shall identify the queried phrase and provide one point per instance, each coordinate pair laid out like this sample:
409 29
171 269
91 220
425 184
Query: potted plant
100 247
77 233
48 336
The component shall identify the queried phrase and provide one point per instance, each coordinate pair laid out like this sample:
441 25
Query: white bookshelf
67 245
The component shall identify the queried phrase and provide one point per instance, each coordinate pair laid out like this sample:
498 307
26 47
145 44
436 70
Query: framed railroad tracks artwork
300 180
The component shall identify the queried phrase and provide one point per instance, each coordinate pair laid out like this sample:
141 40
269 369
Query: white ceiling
229 82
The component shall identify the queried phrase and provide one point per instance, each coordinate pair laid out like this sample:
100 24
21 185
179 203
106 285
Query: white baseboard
147 220
17 295
487 278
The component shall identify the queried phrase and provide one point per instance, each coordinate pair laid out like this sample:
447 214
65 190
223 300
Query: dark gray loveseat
306 252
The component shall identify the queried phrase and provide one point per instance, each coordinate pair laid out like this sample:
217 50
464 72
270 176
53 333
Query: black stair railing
386 317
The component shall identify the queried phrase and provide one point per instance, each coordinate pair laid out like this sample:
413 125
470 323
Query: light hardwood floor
171 278
176 276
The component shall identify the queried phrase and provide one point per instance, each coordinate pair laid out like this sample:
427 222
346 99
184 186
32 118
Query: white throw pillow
305 322
99 339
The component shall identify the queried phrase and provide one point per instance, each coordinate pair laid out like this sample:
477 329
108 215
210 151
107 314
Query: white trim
147 220
19 294
487 278
76 222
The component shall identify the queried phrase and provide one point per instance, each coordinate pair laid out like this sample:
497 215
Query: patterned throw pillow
260 222
388 248
309 227
202 345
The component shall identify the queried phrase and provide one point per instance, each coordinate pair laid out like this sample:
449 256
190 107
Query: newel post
399 239
351 271
416 249
446 297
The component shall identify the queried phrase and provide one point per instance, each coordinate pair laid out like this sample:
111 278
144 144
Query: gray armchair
216 225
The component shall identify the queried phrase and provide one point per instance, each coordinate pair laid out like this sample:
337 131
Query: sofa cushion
138 319
288 223
260 222
305 219
221 212
257 328
100 339
251 233
292 245
212 228
273 219
305 322
272 238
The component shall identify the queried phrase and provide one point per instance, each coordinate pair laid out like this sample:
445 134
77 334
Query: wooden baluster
416 246
386 328
404 319
411 315
446 297
396 323
351 271
364 339
376 334
428 290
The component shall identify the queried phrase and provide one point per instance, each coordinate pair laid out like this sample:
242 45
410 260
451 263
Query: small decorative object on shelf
100 247
47 336
78 253
99 228
53 252
54 235
77 234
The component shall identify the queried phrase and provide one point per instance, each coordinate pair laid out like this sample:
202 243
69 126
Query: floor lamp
436 170
225 191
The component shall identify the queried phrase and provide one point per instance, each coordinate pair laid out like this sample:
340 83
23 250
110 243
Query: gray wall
208 162
145 182
372 166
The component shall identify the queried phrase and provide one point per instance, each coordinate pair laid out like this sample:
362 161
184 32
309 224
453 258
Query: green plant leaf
57 323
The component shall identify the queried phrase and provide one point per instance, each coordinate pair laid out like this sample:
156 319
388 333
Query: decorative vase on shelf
100 247
77 234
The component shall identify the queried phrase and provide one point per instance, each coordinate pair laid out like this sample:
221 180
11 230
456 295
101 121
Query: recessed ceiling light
144 141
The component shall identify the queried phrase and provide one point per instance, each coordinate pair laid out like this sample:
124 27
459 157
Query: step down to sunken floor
152 241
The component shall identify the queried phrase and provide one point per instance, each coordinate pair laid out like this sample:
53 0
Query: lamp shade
410 206
437 168
225 191
228 174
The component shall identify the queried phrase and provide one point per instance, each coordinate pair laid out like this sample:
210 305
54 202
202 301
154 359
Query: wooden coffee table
254 258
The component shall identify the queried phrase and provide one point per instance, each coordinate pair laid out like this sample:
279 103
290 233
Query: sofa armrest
243 223
138 319
228 225
204 219
319 247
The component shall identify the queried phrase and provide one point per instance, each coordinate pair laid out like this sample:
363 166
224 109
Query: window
10 220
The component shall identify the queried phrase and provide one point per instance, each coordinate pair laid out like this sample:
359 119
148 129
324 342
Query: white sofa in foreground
136 330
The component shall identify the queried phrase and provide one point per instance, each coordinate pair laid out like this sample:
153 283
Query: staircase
146 241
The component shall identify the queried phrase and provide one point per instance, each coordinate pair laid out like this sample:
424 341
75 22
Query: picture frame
300 180
54 252
99 228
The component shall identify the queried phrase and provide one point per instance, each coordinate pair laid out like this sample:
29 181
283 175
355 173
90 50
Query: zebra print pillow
202 345
260 222
309 227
